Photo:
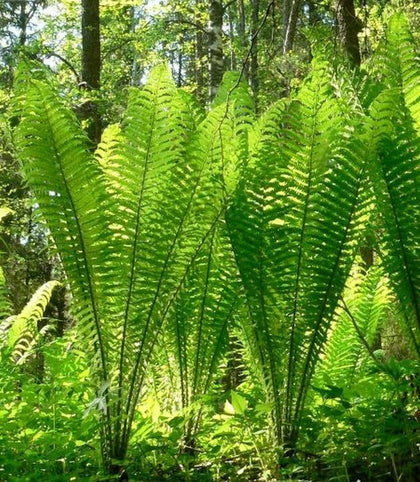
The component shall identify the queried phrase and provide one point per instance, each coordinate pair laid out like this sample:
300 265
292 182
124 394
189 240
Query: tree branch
49 54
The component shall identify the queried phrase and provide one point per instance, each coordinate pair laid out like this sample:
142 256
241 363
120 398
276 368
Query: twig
65 61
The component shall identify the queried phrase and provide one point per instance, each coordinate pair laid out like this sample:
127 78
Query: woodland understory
209 240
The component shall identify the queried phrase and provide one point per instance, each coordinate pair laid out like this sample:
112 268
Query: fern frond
197 330
395 175
23 333
66 182
293 230
368 300
397 64
5 306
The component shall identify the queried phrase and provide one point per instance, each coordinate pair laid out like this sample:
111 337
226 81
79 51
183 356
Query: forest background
209 415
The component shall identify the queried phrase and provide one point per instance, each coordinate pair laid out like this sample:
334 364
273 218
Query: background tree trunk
215 46
91 65
200 53
23 23
290 18
253 77
348 28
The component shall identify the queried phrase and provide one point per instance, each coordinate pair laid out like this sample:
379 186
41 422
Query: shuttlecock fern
128 222
293 229
395 177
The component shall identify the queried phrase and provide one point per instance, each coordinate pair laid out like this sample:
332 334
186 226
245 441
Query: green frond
293 229
395 176
197 330
131 222
397 64
23 333
234 88
367 300
234 94
66 182
5 305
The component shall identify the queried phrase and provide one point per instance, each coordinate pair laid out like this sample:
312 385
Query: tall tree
253 77
215 46
290 18
91 64
348 28
199 50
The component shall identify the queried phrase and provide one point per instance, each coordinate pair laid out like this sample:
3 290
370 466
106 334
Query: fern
5 305
196 333
292 229
22 333
395 178
396 64
395 173
128 223
367 300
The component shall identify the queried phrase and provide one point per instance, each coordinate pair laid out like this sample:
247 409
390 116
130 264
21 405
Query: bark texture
348 28
91 65
290 18
215 47
200 54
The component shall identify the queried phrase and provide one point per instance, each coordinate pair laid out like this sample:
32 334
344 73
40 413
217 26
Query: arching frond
65 180
395 175
397 64
293 233
130 223
367 300
22 333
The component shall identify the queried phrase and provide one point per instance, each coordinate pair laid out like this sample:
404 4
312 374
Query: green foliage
366 302
22 332
395 170
5 308
129 227
44 433
293 228
179 226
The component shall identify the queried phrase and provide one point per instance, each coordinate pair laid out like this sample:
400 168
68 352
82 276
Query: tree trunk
199 63
232 38
243 37
23 23
290 18
91 65
215 46
253 73
348 28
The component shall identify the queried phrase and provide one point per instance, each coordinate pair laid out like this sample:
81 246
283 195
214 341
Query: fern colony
183 236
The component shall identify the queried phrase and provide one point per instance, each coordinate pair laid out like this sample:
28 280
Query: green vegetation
240 292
